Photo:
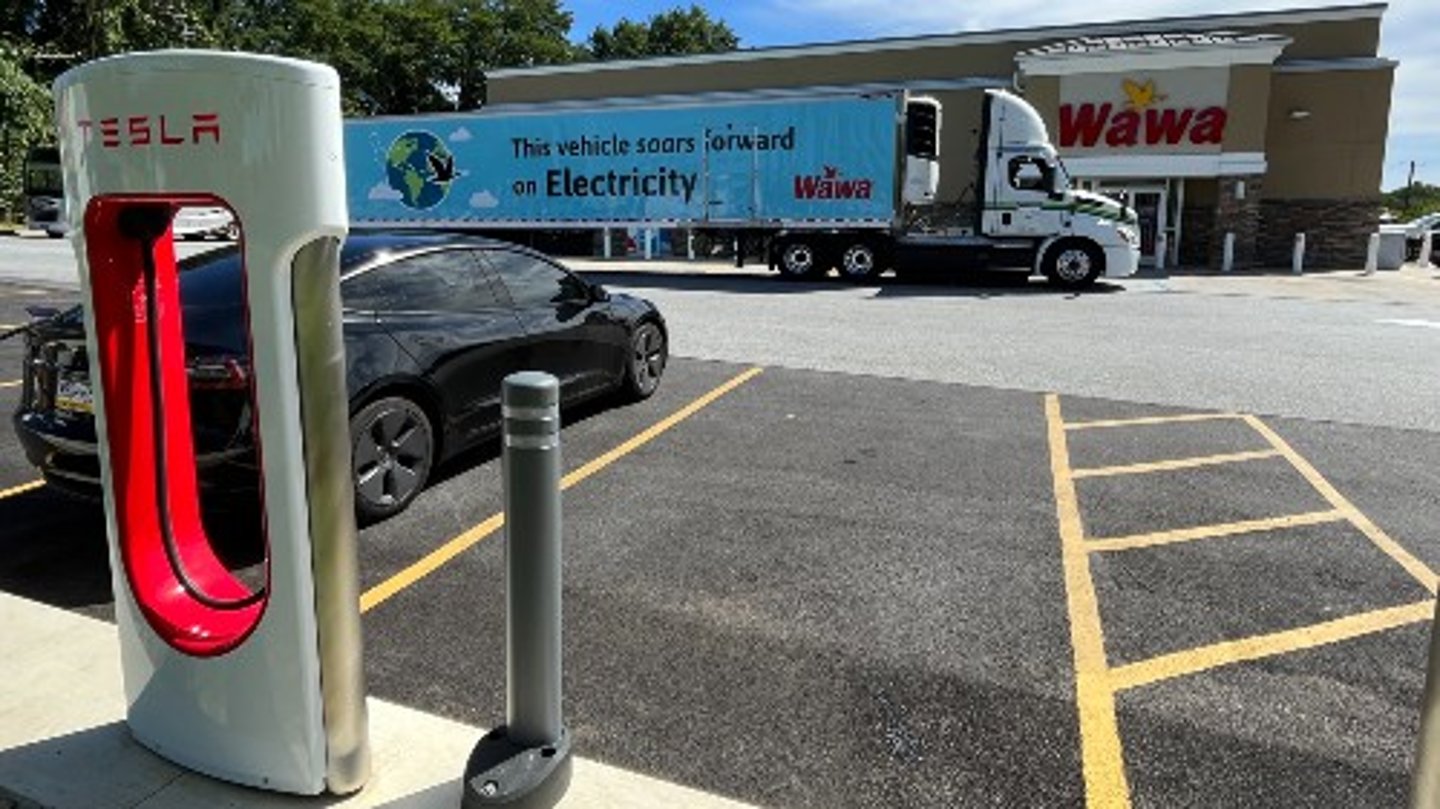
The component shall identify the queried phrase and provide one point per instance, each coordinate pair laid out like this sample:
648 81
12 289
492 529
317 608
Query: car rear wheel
393 448
646 363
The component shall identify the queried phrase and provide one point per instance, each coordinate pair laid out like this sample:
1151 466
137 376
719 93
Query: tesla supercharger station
260 684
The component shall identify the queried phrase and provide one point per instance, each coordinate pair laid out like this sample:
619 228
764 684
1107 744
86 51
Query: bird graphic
1139 96
442 170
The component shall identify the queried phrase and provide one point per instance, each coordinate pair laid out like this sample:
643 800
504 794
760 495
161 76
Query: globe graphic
420 167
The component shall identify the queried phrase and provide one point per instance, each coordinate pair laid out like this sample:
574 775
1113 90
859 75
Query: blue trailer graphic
792 160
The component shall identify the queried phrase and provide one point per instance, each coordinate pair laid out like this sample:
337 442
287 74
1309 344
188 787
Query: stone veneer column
1240 216
1337 231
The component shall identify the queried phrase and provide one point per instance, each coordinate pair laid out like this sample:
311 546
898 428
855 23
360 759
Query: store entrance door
1151 204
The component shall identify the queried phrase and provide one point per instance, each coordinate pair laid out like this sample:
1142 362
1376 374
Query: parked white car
1414 231
206 223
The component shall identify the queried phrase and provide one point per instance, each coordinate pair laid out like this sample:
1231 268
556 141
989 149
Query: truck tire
1073 264
800 259
859 261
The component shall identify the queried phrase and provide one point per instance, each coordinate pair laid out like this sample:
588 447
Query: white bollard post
1427 244
1227 254
1372 254
690 244
609 245
649 236
1162 249
1297 260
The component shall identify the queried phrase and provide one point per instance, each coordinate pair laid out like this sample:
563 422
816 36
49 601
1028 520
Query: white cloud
382 191
483 199
460 135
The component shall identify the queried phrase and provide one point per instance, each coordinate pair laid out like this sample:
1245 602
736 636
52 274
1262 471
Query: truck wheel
800 259
859 262
1073 264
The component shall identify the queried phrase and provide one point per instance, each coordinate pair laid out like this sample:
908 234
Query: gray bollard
1297 258
1427 246
525 763
1372 254
1227 253
1425 775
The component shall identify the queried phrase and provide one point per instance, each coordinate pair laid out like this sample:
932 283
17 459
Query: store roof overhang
1158 51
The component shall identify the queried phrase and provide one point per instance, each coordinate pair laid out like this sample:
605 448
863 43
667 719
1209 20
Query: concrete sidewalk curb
64 743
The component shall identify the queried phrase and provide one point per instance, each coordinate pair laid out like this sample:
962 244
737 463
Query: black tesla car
433 323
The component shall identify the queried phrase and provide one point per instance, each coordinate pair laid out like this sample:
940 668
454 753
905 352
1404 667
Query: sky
1409 34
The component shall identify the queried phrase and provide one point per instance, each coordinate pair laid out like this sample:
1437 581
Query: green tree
68 32
25 121
1408 202
674 32
404 56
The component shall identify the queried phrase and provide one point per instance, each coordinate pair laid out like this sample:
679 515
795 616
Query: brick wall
1240 216
1337 231
1196 223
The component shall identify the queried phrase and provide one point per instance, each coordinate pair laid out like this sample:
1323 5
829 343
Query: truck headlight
1130 235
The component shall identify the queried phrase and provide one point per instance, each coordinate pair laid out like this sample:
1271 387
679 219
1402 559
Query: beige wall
987 61
1339 151
1043 92
1248 105
1331 40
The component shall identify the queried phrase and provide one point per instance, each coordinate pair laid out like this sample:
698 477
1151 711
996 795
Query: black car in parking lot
432 324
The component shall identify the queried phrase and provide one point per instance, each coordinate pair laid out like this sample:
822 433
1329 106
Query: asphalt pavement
854 578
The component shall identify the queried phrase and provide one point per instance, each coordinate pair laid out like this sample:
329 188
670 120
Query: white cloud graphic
483 199
382 191
460 135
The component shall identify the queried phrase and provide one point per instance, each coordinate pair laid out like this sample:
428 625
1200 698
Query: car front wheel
393 447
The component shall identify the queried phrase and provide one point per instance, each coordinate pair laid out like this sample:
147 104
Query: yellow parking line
11 383
433 560
1192 661
21 489
1167 466
1147 420
1133 541
1416 568
1102 757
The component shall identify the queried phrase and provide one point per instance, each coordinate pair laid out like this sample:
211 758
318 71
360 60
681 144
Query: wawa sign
1144 113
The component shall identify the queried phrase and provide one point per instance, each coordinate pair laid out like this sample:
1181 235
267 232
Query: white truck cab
1027 195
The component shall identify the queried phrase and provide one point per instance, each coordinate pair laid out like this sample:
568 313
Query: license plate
74 395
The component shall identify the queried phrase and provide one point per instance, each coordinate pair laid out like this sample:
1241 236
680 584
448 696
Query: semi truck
842 179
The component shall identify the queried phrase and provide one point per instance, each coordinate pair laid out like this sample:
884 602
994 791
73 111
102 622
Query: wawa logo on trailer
1139 121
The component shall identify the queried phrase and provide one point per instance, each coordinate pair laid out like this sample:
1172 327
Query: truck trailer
840 178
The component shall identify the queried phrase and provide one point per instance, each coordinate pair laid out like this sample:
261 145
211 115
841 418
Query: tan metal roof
1033 34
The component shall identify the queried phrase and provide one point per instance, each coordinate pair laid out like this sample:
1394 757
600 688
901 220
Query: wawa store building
1263 125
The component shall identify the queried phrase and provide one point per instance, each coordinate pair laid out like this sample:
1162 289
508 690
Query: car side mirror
599 294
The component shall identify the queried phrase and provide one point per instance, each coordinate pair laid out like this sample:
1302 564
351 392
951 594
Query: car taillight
217 373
